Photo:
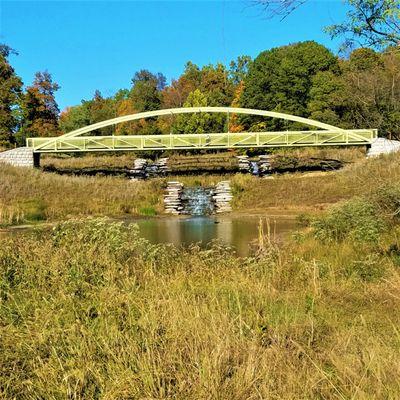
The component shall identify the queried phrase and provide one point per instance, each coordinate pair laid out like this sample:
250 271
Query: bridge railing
203 141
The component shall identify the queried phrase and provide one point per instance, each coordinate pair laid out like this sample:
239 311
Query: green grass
90 310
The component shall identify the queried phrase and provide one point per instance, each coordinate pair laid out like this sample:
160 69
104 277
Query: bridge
80 140
87 139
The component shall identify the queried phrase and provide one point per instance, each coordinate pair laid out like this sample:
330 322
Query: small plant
34 210
147 211
368 269
304 220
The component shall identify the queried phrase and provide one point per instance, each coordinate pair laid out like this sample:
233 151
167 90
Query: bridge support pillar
36 160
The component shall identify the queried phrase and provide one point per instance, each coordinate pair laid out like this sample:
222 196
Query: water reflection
238 232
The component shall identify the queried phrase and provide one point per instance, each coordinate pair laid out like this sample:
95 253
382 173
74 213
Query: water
198 201
254 168
238 232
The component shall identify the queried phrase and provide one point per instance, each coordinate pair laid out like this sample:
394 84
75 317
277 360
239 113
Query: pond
239 232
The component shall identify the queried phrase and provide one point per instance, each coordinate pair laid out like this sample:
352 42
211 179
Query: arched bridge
80 140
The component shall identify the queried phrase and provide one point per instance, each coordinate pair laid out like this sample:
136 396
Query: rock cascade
162 165
222 197
173 198
197 200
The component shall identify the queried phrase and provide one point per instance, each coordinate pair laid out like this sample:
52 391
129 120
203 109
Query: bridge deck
202 141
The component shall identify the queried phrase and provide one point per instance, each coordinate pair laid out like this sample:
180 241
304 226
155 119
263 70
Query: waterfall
197 201
254 168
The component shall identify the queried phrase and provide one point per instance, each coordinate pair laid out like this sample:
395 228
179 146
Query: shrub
368 269
387 199
357 220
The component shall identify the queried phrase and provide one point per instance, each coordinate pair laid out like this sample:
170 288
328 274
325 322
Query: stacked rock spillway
265 164
173 198
162 166
244 163
139 169
222 197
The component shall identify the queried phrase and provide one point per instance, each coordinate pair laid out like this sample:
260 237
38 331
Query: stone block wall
383 146
20 157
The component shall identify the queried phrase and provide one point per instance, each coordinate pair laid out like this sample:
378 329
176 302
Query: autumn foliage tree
39 108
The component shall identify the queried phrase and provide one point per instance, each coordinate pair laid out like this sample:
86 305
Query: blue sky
89 45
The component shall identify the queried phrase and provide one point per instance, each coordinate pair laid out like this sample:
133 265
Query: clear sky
89 45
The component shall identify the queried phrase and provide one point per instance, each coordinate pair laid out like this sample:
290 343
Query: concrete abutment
21 157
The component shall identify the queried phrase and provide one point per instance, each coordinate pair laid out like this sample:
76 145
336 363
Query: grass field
89 310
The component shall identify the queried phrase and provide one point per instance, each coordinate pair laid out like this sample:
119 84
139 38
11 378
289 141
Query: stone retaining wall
20 157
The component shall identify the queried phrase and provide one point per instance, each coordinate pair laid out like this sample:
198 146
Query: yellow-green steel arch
187 110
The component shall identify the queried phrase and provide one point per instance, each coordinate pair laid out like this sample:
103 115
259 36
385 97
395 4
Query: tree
372 84
10 92
196 122
39 108
239 68
280 80
75 117
280 8
146 90
372 23
101 109
365 94
234 120
125 107
328 99
216 84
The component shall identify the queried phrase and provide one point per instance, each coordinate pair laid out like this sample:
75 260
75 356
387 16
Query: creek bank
194 165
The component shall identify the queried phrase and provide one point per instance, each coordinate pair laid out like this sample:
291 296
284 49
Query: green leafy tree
371 23
365 94
239 68
215 83
75 117
10 92
101 109
196 122
146 90
146 95
280 80
328 98
372 83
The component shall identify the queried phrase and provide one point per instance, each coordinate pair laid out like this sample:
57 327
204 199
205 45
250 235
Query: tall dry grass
34 195
42 196
90 310
314 191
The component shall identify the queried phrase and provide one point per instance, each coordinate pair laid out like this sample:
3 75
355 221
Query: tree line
304 79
